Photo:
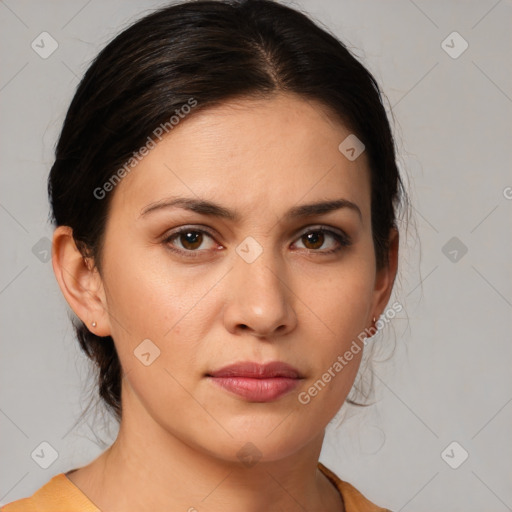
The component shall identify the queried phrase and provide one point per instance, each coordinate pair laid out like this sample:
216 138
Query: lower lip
257 390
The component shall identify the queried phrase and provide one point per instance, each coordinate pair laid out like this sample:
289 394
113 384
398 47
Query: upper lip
254 370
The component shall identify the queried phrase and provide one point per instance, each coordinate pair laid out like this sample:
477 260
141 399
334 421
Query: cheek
144 291
341 308
151 297
344 299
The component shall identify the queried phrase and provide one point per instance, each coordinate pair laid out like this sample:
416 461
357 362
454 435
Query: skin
180 434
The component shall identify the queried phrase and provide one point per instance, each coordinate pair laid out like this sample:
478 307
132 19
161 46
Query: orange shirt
61 495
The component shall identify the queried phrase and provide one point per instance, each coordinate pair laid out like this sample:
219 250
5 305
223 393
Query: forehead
251 155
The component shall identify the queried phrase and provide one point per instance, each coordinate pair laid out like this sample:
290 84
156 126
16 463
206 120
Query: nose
260 300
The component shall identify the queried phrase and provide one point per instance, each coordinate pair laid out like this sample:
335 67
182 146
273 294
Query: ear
385 277
80 282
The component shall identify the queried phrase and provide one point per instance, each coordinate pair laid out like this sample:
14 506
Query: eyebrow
206 207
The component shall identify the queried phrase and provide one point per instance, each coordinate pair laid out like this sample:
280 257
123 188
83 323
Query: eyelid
325 228
193 227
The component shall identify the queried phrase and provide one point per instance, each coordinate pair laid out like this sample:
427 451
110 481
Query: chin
267 444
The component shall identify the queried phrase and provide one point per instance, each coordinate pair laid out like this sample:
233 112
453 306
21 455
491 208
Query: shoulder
57 495
353 500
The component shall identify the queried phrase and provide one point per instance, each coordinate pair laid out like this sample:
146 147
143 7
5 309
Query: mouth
256 382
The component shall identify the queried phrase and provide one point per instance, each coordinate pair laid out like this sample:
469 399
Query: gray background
449 376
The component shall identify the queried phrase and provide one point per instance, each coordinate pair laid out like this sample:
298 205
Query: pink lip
256 382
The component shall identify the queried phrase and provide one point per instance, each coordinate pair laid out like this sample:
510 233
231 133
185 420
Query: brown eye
188 241
191 240
315 238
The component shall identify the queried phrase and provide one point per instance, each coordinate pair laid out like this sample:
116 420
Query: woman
225 196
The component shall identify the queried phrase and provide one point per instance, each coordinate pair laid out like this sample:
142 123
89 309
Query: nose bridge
260 298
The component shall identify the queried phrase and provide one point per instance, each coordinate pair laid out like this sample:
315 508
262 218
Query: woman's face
251 280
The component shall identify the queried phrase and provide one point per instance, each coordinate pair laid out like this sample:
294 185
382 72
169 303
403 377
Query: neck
149 468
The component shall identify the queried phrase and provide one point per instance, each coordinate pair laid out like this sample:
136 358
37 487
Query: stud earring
94 324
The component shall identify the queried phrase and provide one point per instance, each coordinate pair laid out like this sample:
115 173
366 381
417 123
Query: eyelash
342 239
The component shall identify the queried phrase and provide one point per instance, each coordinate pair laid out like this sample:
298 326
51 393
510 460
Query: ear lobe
386 276
80 282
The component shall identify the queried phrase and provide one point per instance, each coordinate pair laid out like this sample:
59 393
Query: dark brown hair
211 51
